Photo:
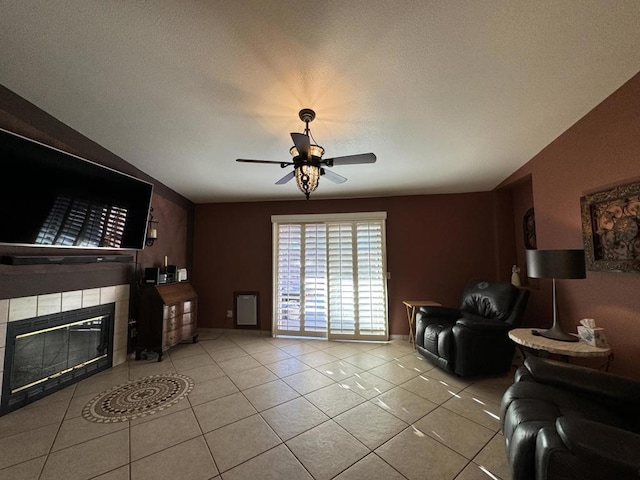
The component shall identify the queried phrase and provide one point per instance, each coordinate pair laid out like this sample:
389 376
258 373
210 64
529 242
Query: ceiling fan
307 161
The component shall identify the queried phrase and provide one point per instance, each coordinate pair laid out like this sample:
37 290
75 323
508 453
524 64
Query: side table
412 308
525 338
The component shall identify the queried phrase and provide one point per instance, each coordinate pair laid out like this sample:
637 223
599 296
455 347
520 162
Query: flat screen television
50 198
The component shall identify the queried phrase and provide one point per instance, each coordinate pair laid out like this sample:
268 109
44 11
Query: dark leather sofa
473 339
563 422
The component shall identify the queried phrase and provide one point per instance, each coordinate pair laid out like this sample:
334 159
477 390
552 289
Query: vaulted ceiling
452 96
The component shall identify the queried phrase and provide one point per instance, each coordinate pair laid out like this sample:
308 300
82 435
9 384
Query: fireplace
45 354
55 340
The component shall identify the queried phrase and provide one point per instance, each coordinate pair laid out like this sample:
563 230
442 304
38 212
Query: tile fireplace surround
37 305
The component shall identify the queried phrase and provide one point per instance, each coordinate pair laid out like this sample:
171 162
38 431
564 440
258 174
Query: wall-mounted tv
50 198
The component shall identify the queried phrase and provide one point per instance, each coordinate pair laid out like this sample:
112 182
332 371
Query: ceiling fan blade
332 176
351 159
302 143
262 161
286 178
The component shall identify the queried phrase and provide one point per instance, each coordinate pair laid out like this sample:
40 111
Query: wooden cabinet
167 315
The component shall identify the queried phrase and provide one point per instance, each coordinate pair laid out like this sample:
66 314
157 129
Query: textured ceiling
452 96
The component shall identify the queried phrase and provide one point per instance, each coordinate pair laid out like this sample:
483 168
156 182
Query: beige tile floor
271 408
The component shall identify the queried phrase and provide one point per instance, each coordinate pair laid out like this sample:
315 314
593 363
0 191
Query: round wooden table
525 338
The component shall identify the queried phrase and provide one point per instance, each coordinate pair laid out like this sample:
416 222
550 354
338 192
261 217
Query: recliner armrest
517 312
439 312
596 383
481 323
598 442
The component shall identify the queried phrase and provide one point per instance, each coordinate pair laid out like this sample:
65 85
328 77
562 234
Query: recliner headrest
489 299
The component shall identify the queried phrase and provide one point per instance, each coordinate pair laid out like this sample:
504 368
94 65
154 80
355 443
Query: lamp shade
556 264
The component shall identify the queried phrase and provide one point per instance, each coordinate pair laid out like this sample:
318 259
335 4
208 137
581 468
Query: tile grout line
367 400
332 418
317 369
202 434
300 395
282 442
58 432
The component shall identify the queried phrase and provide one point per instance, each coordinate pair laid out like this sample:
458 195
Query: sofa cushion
528 406
531 401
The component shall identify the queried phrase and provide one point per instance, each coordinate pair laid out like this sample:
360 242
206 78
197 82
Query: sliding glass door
330 276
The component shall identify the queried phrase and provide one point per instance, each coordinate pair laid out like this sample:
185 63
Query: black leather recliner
473 339
563 422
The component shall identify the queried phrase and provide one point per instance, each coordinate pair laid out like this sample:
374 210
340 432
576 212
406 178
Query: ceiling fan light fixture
314 150
307 178
307 162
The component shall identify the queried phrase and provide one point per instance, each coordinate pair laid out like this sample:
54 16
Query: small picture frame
611 229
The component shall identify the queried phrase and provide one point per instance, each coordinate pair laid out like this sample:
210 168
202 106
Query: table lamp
556 264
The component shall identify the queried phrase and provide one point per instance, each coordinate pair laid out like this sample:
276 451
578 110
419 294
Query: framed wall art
611 229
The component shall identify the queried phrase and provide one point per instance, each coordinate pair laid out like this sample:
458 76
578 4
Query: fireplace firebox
47 353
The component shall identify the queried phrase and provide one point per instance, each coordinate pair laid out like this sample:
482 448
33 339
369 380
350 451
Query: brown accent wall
174 235
435 244
174 212
600 150
519 197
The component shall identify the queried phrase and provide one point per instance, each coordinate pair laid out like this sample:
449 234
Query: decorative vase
515 277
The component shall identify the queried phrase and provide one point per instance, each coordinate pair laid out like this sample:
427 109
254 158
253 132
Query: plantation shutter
289 279
315 278
330 276
372 279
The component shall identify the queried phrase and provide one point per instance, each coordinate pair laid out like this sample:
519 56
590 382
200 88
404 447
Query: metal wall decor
152 229
611 229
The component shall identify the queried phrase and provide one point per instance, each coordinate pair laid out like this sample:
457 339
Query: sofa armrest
481 323
598 442
598 384
439 312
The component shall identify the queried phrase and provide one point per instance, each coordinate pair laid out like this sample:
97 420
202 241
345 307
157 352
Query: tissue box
592 336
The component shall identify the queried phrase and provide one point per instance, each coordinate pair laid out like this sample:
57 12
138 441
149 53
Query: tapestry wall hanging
611 229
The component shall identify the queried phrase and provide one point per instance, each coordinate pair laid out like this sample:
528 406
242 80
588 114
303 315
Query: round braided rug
138 398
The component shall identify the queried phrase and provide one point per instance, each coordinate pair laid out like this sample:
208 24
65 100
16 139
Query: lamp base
554 333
